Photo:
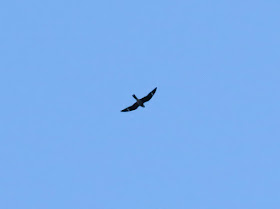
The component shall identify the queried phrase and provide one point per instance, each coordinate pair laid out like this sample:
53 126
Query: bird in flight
140 102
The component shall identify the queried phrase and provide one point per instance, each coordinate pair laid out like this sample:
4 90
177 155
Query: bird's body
140 102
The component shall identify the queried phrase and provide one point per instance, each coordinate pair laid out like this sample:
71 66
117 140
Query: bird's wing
149 96
132 107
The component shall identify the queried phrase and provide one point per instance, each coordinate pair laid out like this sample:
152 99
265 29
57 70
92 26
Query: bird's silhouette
140 102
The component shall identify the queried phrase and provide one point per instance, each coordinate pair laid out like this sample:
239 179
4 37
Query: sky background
208 139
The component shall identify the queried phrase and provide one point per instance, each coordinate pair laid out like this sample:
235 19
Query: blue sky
209 138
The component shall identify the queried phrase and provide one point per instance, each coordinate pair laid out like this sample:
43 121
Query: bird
140 102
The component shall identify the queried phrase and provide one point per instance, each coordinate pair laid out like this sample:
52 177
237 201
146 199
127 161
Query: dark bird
140 102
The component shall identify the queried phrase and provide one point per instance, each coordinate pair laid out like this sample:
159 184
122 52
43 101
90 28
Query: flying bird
140 102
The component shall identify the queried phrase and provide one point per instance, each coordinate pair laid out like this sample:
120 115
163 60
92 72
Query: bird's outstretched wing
133 107
149 96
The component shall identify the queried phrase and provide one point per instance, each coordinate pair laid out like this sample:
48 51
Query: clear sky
208 139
